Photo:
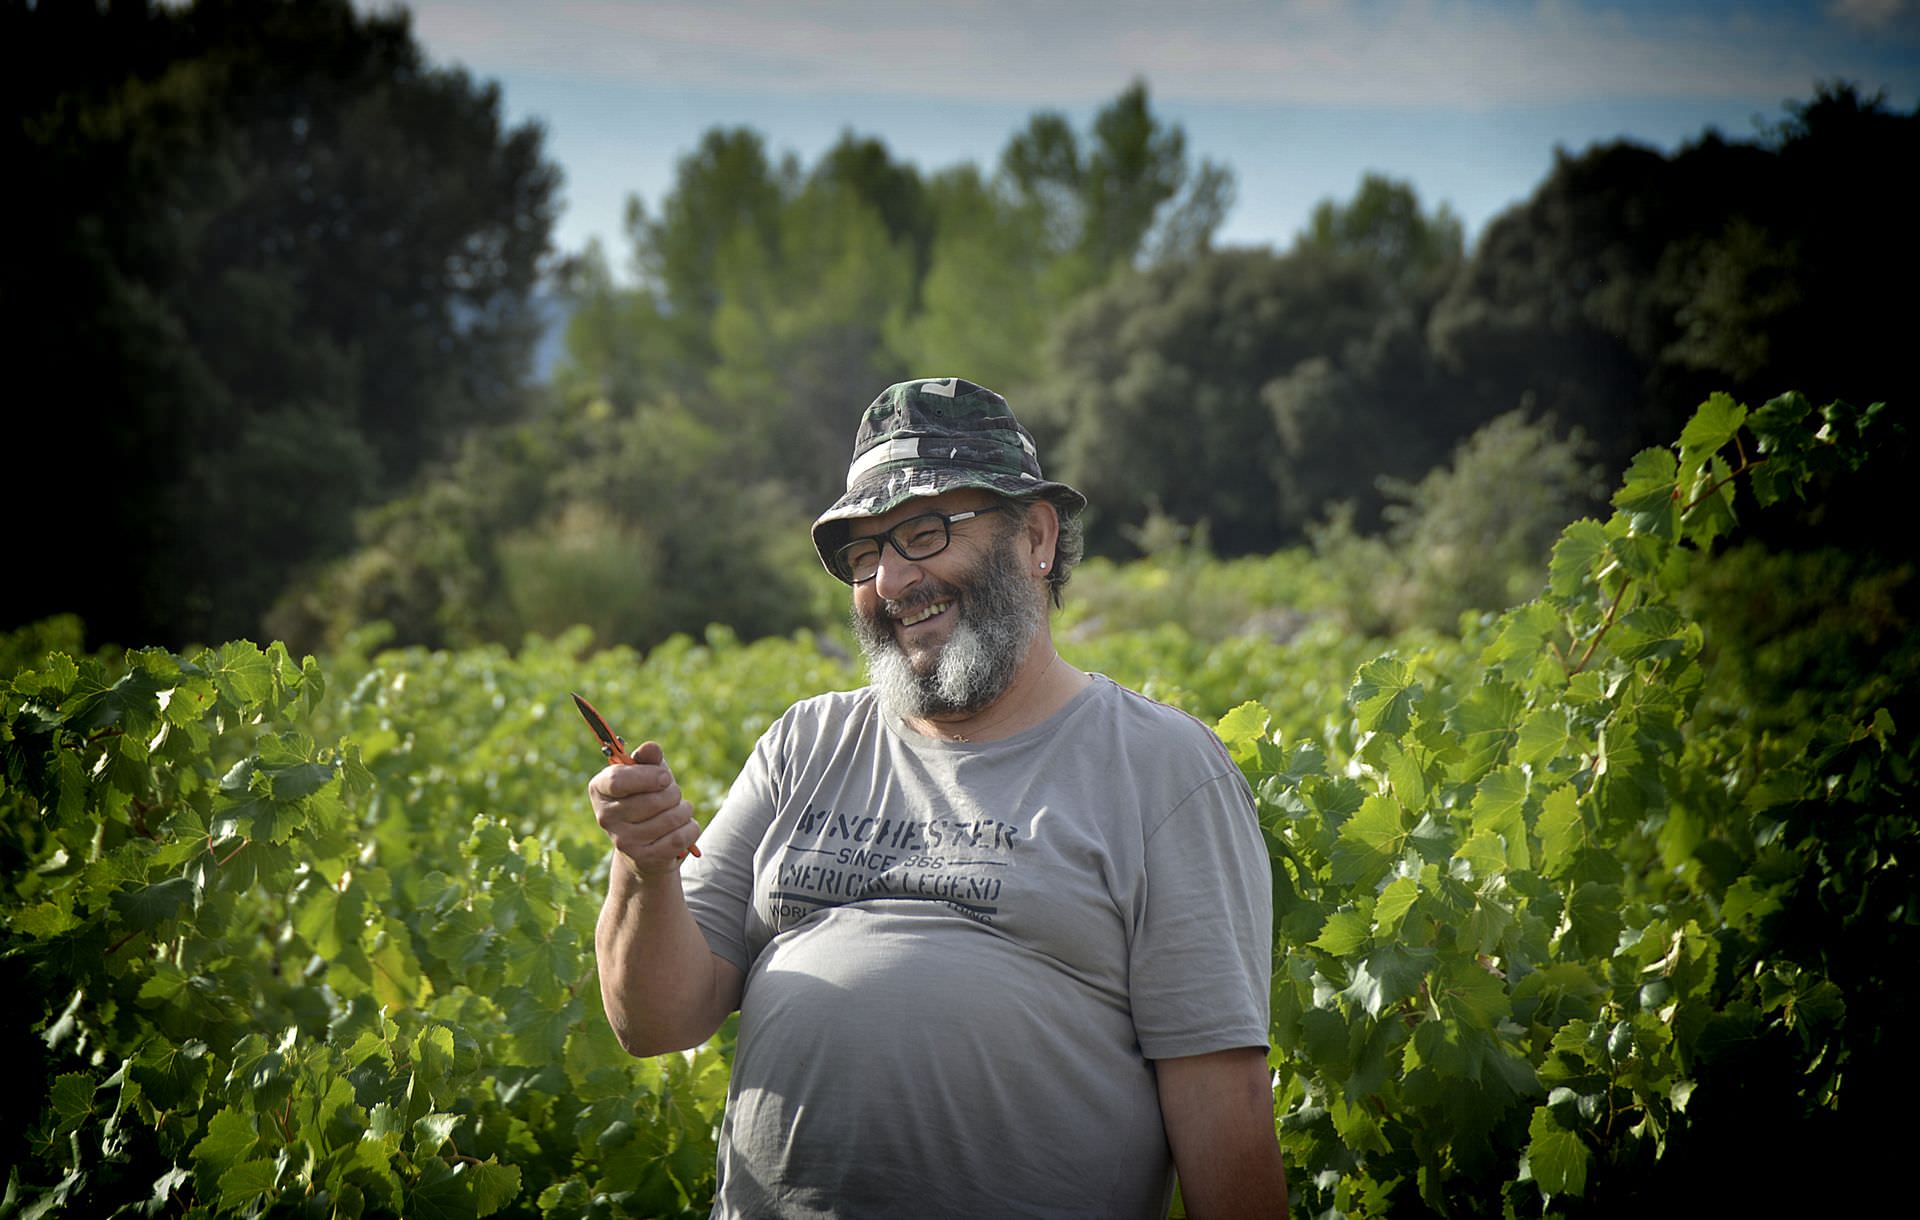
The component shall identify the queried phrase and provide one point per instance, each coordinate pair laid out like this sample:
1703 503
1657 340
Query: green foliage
1385 227
1253 389
1576 915
638 524
619 347
991 289
703 410
1154 403
279 260
1536 949
1632 282
1179 582
1469 536
1795 637
358 977
1104 195
725 193
1245 389
799 323
27 645
724 547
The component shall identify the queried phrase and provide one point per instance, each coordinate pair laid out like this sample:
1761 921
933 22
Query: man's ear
1042 525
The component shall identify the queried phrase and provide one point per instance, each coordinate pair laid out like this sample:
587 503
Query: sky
1466 99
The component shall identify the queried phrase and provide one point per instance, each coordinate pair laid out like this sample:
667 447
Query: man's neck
1042 685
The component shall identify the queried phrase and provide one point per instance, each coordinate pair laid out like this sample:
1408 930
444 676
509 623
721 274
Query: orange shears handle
611 743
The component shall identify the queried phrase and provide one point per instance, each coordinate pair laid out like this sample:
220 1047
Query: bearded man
999 930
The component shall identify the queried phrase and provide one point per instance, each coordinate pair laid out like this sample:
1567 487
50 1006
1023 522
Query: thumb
649 754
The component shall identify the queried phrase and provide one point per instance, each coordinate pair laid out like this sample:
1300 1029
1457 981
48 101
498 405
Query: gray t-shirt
960 957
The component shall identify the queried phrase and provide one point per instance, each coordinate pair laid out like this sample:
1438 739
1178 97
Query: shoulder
831 706
1170 757
808 732
1176 736
1197 789
822 718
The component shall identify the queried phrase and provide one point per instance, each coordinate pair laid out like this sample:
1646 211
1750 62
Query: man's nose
896 574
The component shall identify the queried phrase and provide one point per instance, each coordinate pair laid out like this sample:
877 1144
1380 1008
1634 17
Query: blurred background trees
286 277
273 264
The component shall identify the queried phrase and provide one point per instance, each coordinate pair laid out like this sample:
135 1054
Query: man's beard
998 617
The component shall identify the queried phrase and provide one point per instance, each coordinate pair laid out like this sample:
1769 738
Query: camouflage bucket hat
920 438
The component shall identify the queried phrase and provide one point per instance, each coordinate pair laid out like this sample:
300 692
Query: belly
889 1047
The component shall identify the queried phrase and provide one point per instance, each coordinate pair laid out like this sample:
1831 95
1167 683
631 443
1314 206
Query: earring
1043 565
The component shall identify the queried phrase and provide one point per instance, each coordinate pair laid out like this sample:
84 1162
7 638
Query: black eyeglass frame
842 568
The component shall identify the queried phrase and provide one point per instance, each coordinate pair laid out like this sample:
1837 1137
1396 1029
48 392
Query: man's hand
1218 1109
641 809
663 988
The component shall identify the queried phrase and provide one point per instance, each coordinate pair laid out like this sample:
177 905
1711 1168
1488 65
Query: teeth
923 615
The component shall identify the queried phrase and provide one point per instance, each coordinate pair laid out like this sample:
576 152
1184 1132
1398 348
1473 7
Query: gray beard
999 617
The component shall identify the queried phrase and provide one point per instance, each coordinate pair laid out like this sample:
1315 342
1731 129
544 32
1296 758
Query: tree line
289 272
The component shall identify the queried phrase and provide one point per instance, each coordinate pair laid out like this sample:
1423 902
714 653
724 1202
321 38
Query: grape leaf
241 673
1574 556
1713 425
1389 974
1558 1157
246 1182
1648 496
1345 931
150 906
1384 694
1394 903
1470 994
1369 842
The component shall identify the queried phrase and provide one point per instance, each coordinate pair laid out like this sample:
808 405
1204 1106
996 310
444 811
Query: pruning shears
610 742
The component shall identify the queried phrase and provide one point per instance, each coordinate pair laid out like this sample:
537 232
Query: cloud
1873 16
1386 53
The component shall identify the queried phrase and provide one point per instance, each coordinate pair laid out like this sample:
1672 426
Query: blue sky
1467 99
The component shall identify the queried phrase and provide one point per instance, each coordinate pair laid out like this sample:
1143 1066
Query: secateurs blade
611 743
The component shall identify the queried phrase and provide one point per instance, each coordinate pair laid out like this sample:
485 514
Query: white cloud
1396 53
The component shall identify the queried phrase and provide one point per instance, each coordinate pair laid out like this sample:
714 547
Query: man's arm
663 988
1218 1109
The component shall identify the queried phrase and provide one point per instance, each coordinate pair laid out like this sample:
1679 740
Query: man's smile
925 612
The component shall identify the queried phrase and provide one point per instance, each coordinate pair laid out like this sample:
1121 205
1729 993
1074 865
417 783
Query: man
999 930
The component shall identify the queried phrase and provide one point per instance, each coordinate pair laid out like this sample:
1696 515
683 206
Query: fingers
658 845
642 810
620 782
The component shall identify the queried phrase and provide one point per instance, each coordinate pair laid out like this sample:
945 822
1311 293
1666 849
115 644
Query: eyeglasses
920 537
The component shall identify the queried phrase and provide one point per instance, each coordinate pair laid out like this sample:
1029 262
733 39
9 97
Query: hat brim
886 490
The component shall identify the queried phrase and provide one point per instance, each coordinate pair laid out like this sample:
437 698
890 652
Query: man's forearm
1219 1114
662 987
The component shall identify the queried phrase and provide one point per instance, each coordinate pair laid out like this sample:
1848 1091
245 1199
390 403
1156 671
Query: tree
620 350
801 336
637 522
1154 394
1249 389
1377 407
893 189
987 297
1472 534
1385 228
1063 214
725 194
1632 282
279 263
1102 202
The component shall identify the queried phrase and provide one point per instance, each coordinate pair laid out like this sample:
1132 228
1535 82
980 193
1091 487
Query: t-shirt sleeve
1201 969
719 882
